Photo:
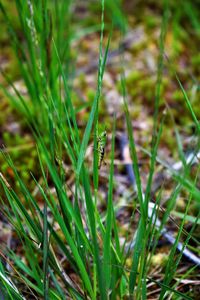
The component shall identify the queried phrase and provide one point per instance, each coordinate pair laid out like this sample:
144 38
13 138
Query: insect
101 142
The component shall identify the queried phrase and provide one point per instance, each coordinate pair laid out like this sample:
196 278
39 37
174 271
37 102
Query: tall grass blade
109 221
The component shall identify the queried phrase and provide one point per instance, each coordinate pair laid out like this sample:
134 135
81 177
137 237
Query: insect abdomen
101 156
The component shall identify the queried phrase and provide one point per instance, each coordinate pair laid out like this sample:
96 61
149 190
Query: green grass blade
109 221
189 104
88 129
92 226
45 244
11 288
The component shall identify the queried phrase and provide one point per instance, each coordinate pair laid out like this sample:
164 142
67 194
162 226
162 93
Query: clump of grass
68 238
